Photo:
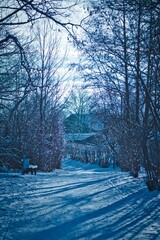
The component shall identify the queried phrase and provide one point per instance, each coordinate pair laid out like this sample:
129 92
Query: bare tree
29 92
121 60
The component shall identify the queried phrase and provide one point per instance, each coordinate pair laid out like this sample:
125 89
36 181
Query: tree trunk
127 104
138 62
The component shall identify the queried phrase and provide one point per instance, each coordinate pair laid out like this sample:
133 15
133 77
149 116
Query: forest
119 68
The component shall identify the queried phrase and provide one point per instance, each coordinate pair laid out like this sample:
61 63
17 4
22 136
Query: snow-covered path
78 202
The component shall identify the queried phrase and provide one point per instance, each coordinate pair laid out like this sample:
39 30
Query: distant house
85 140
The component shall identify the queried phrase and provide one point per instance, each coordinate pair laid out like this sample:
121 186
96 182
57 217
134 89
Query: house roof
78 136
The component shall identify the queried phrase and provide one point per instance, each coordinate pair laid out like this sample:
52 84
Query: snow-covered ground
78 202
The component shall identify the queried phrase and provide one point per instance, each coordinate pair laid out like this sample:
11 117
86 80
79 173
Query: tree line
121 63
30 83
120 46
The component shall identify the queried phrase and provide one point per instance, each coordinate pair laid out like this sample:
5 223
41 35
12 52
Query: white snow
78 202
33 166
